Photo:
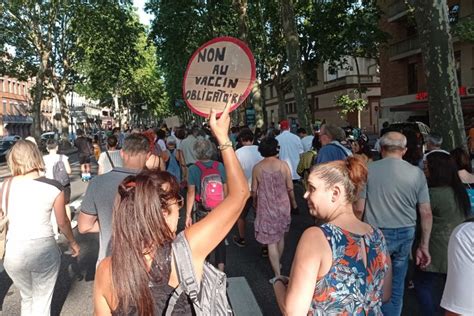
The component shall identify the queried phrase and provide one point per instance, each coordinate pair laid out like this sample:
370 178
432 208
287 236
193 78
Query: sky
144 17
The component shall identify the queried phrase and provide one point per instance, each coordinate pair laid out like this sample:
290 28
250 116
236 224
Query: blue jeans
429 290
33 265
399 242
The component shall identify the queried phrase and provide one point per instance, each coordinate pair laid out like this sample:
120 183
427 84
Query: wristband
227 144
281 280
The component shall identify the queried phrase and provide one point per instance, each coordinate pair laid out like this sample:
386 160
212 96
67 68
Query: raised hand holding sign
220 71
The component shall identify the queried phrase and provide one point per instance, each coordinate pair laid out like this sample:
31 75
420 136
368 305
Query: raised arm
206 234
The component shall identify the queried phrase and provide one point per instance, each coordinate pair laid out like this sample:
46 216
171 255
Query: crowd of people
386 218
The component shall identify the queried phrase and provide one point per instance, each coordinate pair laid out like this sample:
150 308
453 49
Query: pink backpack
212 189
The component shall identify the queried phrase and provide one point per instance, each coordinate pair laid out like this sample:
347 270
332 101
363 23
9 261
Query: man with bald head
394 190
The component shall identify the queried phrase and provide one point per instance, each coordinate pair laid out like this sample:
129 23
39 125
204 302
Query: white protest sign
220 69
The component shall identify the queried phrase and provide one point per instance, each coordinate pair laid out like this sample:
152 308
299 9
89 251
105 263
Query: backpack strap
110 159
186 276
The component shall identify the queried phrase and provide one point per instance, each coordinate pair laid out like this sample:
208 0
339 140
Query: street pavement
248 272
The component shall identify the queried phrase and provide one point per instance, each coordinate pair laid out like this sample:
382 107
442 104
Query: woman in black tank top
140 275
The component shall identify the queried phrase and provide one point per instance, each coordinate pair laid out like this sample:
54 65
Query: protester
457 297
139 278
306 140
450 206
395 192
273 198
61 162
433 144
361 147
307 160
110 158
343 266
205 168
187 147
32 257
174 164
96 146
160 143
85 150
463 163
331 150
154 161
99 198
248 156
290 148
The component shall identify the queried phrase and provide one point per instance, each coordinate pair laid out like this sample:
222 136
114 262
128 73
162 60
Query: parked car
6 143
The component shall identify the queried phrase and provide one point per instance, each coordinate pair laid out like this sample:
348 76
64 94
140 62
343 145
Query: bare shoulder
312 235
104 272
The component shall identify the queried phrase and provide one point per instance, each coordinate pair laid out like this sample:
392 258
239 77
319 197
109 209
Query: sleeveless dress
273 217
160 290
350 288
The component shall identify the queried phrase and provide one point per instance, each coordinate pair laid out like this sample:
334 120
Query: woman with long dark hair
450 206
140 276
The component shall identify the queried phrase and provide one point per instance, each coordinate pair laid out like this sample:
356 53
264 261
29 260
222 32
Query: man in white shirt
306 140
290 148
248 156
459 287
113 159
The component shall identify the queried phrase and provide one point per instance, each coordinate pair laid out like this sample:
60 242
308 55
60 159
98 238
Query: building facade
322 95
403 81
15 104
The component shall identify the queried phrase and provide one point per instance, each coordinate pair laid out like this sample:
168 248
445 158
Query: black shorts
247 207
83 159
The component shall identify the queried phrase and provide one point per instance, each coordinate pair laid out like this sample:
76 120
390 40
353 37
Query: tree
28 29
59 43
179 28
340 31
298 79
438 59
109 40
465 29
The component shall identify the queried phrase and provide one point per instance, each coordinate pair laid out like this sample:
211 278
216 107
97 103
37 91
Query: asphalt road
73 292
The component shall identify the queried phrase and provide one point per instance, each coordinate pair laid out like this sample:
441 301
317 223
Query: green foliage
335 30
108 36
464 29
350 104
180 27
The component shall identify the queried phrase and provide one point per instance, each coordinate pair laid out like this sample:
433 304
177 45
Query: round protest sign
222 69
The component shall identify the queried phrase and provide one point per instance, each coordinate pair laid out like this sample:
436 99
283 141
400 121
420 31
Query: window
4 107
412 78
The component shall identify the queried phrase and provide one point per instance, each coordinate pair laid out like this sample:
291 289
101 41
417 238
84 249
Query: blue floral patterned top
350 287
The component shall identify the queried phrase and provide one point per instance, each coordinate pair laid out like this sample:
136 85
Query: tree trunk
294 60
64 114
242 6
438 60
359 91
281 98
38 96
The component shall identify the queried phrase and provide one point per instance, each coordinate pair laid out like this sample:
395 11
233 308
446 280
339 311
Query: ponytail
357 171
351 173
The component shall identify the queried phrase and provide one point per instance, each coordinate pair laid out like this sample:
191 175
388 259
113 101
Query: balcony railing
405 48
396 10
